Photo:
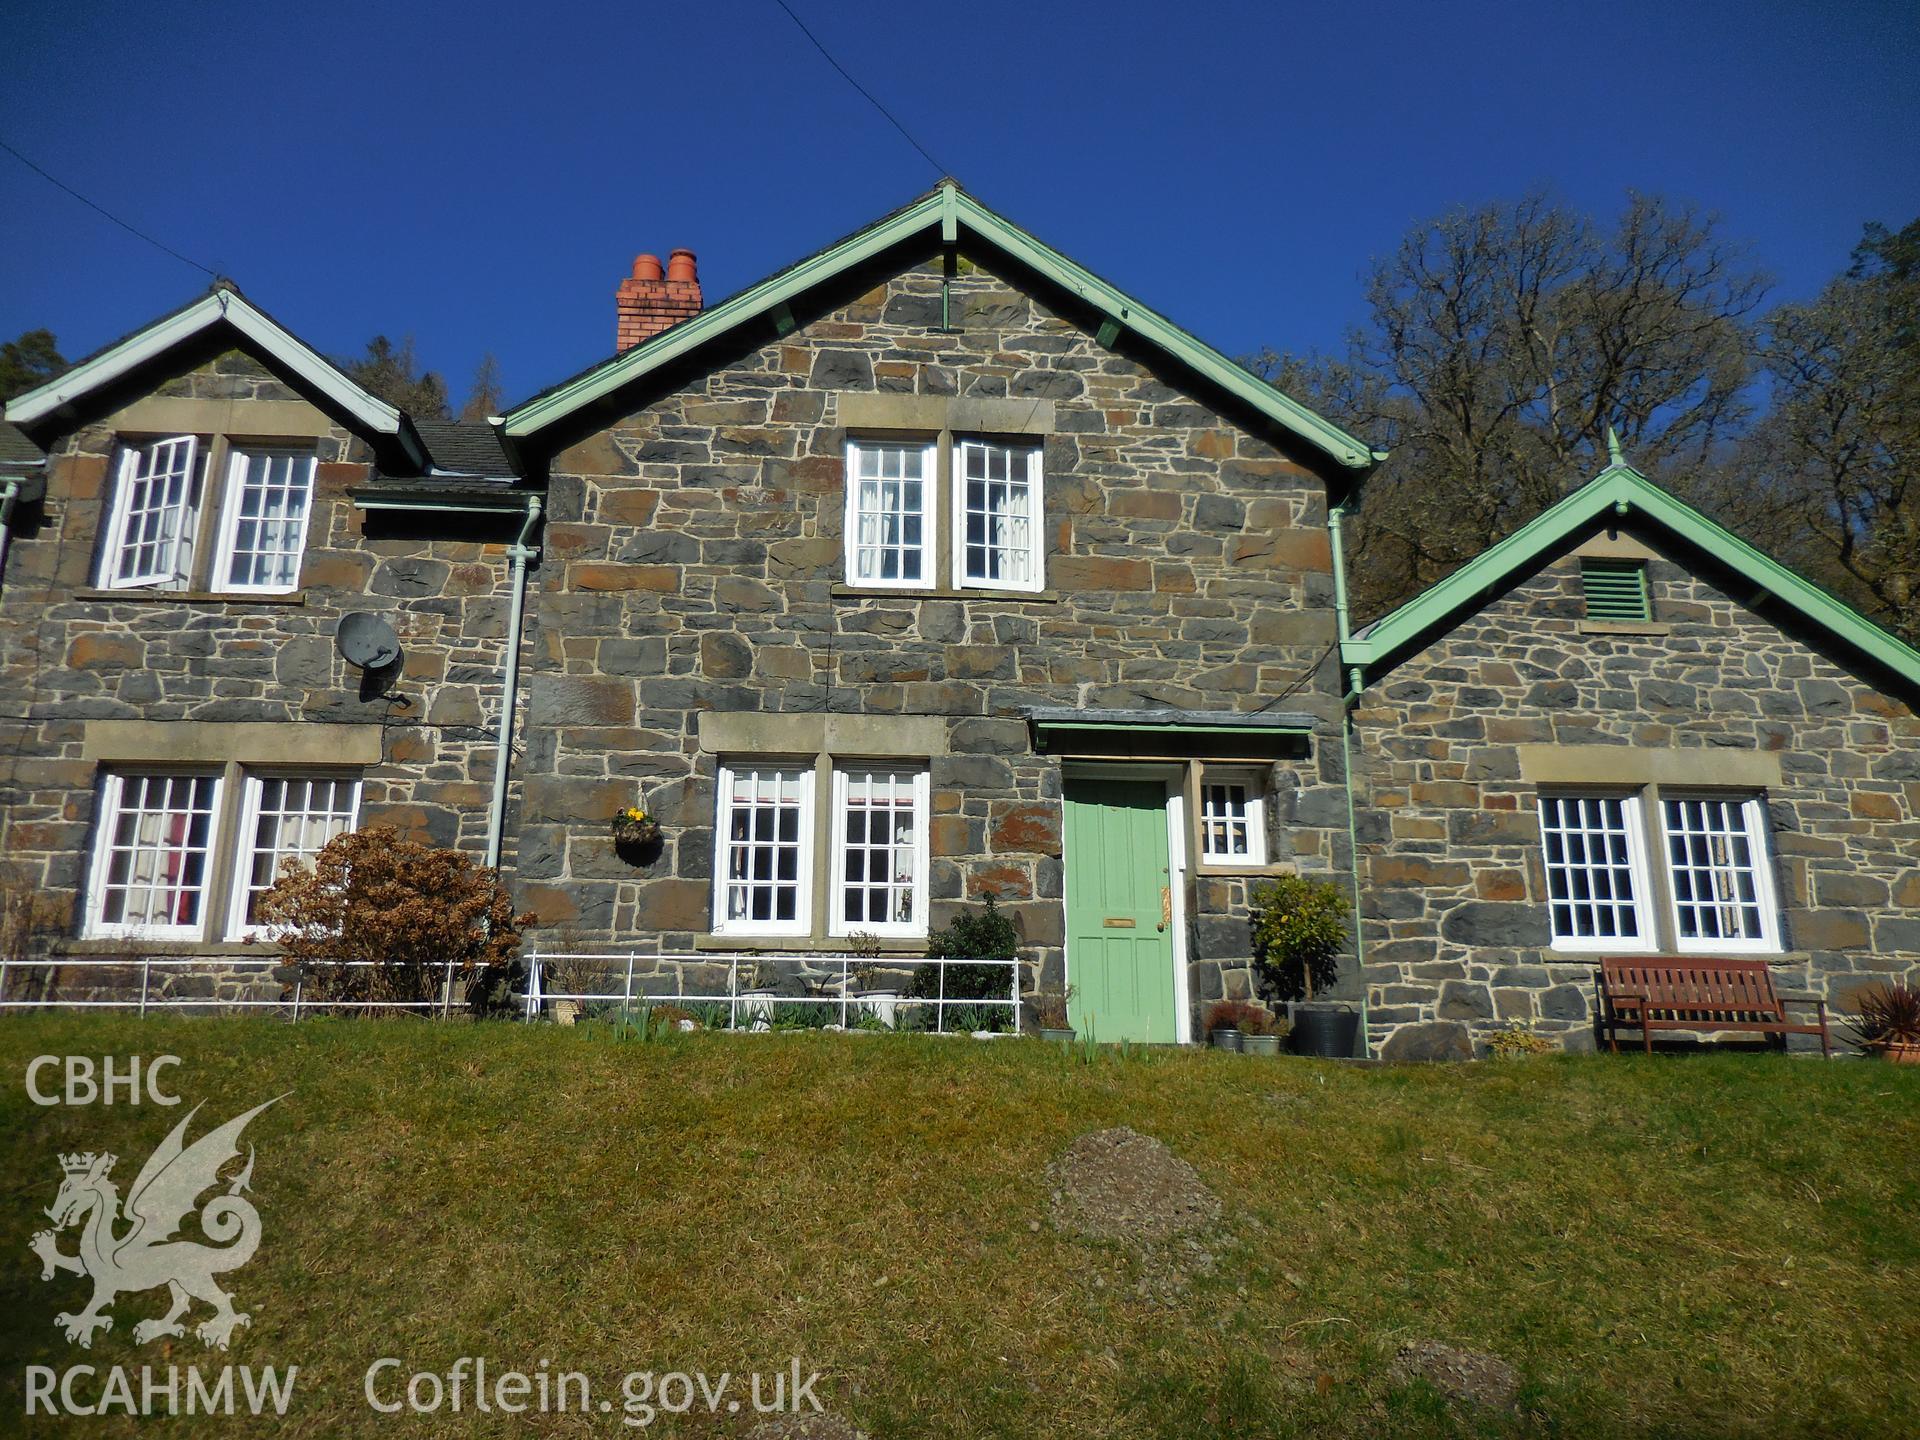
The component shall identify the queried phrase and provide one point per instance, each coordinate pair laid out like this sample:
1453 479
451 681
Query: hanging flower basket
635 828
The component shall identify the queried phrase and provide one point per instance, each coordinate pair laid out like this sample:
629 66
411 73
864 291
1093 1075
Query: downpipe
1349 698
520 552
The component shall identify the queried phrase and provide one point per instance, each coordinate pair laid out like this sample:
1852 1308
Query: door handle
1166 907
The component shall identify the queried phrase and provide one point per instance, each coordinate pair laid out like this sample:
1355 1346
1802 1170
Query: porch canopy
1170 734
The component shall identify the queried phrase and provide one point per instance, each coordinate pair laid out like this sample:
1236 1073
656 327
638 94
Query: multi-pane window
151 855
1232 820
265 525
1719 881
156 507
766 840
1716 864
1594 870
161 503
288 819
997 516
890 513
880 859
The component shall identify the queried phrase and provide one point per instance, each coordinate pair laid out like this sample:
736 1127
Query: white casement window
1233 822
890 513
286 818
880 850
156 506
152 852
1717 867
1596 872
763 878
264 526
997 516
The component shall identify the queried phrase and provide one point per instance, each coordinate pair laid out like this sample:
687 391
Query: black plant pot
1329 1031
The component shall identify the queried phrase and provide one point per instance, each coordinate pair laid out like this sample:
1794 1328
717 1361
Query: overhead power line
91 205
892 120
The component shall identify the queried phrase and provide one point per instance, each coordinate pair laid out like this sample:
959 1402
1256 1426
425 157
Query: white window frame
1633 820
1037 519
247 840
837 924
112 791
929 514
802 922
238 464
179 563
1752 810
1255 786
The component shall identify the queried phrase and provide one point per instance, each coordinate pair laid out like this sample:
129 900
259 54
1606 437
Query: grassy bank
1713 1246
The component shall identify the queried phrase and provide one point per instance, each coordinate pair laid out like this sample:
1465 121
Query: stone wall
1457 923
694 560
70 655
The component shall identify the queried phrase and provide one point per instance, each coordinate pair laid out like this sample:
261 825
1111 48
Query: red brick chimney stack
647 303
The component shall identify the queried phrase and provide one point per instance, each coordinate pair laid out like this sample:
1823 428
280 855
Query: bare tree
1837 458
1502 342
485 396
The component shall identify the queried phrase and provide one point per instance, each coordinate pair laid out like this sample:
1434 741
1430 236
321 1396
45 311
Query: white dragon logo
145 1256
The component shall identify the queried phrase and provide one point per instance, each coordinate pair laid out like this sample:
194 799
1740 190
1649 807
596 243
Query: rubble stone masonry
1457 920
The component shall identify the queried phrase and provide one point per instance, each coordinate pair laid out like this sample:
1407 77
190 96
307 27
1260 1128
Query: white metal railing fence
832 984
220 967
834 989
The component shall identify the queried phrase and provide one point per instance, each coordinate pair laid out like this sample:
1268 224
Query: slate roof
465 447
16 450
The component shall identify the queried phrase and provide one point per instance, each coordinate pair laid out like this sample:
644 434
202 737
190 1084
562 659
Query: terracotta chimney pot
649 302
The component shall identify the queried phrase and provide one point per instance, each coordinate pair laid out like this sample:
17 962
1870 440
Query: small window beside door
1233 818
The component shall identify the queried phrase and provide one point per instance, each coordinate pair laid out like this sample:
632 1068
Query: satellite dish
367 641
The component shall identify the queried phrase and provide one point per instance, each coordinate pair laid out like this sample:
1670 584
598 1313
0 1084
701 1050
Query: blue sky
481 176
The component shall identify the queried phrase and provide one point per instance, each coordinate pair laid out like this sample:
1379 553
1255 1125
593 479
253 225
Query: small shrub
1516 1041
983 934
1299 928
409 910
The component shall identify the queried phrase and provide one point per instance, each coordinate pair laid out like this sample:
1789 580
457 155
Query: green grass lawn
1713 1246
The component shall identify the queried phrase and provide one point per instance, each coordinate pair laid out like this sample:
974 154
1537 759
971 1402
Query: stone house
1620 731
929 569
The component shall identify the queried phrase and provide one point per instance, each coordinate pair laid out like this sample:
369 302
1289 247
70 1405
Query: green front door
1119 935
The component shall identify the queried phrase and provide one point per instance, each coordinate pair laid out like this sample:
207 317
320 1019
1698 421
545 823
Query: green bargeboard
1117 869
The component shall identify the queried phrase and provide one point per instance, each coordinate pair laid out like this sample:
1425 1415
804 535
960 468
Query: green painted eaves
1626 492
948 209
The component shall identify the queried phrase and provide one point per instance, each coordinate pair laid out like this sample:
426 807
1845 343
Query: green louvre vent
1616 591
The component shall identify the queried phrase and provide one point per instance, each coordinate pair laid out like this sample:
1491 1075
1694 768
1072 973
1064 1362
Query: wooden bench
1674 992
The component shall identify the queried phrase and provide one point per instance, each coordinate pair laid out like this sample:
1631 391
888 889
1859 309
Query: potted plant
759 983
1889 1023
1223 1024
635 829
1261 1031
878 1001
1299 929
1050 1016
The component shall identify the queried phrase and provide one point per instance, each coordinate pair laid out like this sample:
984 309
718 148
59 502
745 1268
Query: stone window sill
134 949
805 944
1209 871
189 597
1616 627
842 591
